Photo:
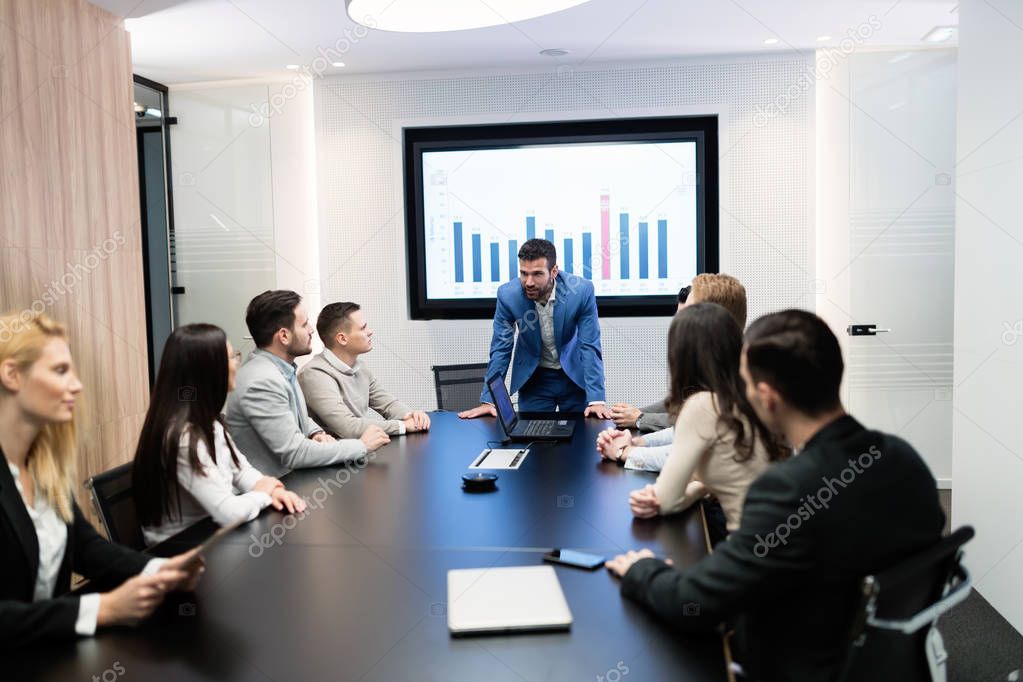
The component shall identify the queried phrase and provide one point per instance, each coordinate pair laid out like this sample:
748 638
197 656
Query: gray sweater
655 417
341 397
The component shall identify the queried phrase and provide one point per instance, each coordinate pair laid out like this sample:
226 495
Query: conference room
510 340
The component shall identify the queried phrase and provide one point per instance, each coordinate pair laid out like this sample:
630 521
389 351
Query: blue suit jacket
576 333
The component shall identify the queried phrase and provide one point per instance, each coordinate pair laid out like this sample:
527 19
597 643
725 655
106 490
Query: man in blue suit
558 363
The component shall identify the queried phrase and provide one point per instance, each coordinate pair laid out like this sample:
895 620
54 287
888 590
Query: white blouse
224 490
51 536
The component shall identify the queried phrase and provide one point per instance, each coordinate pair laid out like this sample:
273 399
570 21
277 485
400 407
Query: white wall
987 438
766 107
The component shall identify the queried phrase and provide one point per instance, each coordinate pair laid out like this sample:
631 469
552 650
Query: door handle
864 330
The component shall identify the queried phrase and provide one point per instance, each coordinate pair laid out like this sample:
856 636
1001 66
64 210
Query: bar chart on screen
620 215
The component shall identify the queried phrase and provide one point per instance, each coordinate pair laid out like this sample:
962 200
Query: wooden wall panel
70 240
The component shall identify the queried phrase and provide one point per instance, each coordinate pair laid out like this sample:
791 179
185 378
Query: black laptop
525 430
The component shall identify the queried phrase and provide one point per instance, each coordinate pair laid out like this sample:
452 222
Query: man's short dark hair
683 293
332 318
798 355
539 248
269 312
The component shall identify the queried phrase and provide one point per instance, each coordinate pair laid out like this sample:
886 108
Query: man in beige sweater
340 391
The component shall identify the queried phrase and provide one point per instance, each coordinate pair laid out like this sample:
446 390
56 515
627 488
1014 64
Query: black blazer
851 503
87 553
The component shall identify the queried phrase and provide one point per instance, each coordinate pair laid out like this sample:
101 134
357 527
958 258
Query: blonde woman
43 535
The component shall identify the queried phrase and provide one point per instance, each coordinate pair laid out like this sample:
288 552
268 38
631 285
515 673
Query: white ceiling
177 41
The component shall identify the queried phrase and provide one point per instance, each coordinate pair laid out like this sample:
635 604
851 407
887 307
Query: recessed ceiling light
339 65
771 41
451 15
554 52
823 39
939 34
293 67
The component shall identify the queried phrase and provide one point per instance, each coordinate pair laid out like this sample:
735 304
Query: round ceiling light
418 16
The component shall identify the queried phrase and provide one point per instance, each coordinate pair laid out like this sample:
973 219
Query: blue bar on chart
549 236
662 248
495 262
568 255
459 271
513 259
477 259
644 266
530 227
587 255
623 231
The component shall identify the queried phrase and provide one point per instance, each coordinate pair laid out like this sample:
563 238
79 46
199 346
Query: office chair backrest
459 386
112 498
894 629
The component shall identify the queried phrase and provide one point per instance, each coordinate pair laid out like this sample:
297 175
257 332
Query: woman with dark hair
720 445
186 464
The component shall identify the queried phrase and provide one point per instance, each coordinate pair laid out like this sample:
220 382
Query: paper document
500 459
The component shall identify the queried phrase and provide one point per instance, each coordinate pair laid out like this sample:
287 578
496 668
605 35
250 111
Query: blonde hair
51 459
724 290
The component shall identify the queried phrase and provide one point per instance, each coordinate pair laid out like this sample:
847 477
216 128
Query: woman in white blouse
720 446
187 466
43 535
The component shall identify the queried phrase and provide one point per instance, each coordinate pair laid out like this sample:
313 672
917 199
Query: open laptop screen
503 402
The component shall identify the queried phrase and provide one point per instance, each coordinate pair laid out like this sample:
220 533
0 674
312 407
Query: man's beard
298 348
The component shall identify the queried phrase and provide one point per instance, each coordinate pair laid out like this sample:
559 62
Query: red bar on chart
605 236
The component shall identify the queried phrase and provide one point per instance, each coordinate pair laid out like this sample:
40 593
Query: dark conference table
356 588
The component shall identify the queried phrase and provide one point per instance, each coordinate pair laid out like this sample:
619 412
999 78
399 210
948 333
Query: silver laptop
511 599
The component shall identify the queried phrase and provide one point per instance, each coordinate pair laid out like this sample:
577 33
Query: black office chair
895 629
458 386
112 499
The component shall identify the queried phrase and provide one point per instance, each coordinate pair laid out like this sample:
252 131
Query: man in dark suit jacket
558 361
850 502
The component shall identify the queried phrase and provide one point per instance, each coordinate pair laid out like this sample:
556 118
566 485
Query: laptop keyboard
539 427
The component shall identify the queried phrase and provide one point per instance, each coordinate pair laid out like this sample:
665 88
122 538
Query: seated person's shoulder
261 382
316 364
782 481
699 403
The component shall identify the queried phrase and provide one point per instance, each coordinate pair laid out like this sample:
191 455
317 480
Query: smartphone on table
570 557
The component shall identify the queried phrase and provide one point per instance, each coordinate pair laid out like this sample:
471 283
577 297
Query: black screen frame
416 140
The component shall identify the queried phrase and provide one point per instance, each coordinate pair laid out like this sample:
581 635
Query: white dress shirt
224 490
548 346
51 535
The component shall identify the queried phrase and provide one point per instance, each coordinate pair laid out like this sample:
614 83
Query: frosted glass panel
901 220
223 241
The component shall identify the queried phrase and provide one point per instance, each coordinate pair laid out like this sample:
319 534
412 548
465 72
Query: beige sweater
705 450
347 400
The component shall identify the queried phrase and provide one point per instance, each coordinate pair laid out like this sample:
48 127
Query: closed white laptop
516 598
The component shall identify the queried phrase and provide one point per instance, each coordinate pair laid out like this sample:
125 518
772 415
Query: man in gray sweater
341 392
266 412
